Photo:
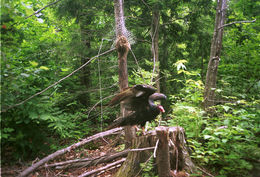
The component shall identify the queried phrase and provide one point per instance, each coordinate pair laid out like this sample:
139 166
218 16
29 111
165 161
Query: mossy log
178 153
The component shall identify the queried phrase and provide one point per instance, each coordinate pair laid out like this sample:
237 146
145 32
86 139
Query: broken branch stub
122 44
163 157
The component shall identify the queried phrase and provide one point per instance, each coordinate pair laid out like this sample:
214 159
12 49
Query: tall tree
123 47
215 52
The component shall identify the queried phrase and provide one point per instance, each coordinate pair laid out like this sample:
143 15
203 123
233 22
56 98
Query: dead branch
205 172
103 168
62 151
111 168
236 23
86 162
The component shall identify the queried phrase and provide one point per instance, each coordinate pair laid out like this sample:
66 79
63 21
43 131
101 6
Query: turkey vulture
142 106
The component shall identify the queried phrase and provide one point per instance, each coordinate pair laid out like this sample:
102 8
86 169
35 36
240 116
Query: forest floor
104 147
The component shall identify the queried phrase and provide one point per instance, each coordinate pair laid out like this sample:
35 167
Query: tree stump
162 152
177 147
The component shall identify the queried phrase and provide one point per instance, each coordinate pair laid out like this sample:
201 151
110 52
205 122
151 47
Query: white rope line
139 68
100 87
153 36
155 149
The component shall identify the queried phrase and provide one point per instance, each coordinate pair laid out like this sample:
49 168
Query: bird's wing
130 119
121 96
141 90
128 95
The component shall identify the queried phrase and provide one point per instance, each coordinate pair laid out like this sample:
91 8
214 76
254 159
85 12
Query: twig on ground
103 168
205 172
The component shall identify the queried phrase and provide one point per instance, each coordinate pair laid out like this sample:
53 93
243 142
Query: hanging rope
100 88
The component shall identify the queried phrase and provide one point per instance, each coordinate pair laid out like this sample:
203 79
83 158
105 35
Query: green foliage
148 168
31 62
240 62
227 143
142 76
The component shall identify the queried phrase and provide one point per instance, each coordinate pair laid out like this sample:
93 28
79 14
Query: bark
178 153
215 51
155 44
67 149
122 46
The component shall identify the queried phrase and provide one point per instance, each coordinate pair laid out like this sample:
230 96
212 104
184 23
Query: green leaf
226 108
25 75
44 68
224 140
33 63
207 136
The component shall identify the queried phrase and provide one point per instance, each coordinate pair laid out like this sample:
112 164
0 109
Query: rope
100 87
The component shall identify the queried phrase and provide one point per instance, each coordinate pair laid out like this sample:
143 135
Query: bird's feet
139 131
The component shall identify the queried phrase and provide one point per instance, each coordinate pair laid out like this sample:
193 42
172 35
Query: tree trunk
178 153
215 51
155 45
163 67
85 78
122 46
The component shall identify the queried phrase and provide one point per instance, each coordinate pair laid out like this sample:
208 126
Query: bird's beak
161 108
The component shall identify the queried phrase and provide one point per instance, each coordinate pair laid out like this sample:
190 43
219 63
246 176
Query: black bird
145 110
133 97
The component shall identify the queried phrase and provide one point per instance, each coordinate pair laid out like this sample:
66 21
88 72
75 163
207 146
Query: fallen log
178 153
102 168
62 151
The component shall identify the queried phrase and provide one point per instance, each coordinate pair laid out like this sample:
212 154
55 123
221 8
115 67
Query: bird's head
157 96
160 107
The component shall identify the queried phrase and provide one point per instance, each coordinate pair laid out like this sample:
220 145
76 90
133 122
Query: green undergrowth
226 142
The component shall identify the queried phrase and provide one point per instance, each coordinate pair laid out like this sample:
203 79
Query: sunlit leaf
33 63
44 68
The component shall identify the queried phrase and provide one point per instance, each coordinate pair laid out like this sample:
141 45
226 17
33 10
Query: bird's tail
117 123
